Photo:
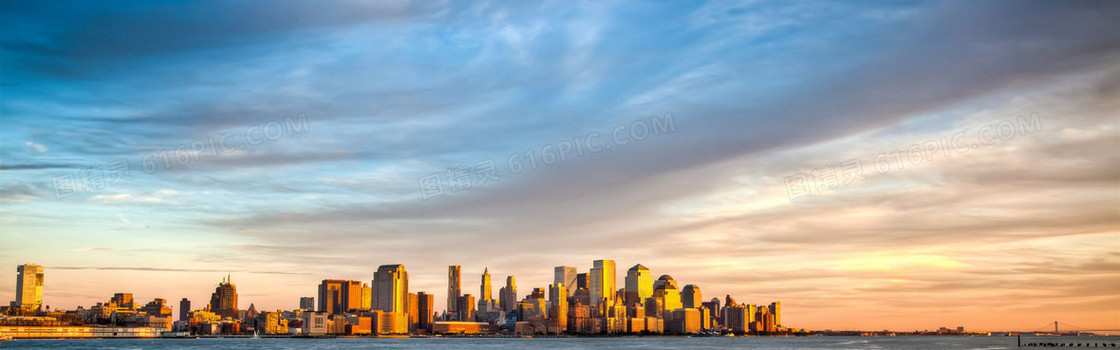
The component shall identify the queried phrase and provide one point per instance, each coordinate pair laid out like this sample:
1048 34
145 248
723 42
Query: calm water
553 343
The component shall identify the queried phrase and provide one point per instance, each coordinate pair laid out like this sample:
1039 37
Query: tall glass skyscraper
602 278
29 286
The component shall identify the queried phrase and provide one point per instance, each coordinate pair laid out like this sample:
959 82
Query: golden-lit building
685 321
639 285
484 288
29 287
454 290
557 308
390 294
566 276
339 296
668 297
272 323
224 300
157 307
602 281
507 296
460 327
776 310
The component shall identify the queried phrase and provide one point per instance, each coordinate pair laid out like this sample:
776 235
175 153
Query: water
931 342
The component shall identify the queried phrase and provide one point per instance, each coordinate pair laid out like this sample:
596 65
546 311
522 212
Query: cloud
35 147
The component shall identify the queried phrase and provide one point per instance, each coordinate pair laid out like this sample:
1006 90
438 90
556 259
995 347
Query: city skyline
903 165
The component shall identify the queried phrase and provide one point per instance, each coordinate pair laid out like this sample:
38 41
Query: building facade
29 287
602 281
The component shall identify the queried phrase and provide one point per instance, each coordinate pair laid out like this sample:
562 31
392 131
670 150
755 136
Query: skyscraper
776 310
184 309
690 296
453 290
582 281
507 296
367 297
566 276
484 288
29 286
425 309
602 278
639 285
390 288
390 294
413 311
307 303
465 308
224 300
339 296
665 290
558 308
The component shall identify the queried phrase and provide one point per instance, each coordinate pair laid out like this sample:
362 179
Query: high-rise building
639 285
776 310
184 309
484 287
29 286
686 321
602 278
390 289
413 312
465 308
763 321
453 289
557 309
224 300
339 296
715 309
425 309
690 297
367 297
390 294
507 296
666 292
566 276
735 318
307 303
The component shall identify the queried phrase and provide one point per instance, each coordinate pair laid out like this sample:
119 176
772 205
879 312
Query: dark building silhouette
184 309
224 300
425 309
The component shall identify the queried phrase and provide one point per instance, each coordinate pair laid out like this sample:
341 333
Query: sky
872 165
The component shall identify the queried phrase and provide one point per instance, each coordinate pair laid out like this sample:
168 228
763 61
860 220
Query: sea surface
927 342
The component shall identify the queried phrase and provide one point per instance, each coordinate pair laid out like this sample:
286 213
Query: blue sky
391 92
